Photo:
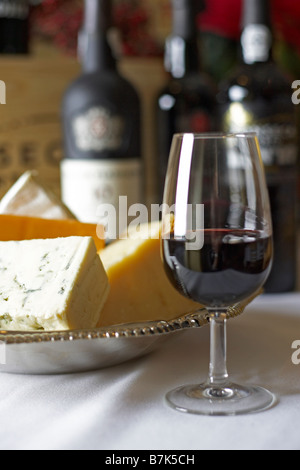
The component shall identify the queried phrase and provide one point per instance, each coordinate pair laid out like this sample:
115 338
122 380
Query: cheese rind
52 284
15 227
139 287
29 197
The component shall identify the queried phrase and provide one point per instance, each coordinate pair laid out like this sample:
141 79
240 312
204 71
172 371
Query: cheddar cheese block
139 288
54 284
14 227
29 197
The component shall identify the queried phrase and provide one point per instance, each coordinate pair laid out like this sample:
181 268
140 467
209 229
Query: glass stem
218 375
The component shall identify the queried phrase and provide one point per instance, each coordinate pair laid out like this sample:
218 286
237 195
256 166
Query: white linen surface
123 407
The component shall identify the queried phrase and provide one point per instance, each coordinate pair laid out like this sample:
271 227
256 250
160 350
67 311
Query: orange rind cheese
17 228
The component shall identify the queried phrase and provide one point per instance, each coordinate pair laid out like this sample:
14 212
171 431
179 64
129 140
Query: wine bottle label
97 129
277 143
17 9
89 187
256 43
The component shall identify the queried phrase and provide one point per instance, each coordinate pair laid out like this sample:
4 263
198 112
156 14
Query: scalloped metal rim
120 331
194 320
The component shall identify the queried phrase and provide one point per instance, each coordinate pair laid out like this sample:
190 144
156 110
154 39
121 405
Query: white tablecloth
123 408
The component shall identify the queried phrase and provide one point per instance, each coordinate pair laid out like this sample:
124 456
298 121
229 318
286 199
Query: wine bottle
187 102
257 97
102 128
14 25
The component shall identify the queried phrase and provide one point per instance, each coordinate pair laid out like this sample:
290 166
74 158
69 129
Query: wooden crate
30 130
30 123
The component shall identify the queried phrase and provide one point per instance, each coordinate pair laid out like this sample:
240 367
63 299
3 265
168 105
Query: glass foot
228 400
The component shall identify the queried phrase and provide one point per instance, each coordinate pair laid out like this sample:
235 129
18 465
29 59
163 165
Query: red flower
286 17
132 22
224 17
60 21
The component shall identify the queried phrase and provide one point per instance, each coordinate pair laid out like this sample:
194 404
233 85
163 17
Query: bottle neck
182 56
14 26
256 38
95 52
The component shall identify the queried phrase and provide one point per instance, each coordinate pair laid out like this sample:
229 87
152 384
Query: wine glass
217 249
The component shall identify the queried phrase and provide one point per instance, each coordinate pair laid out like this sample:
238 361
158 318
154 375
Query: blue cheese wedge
56 284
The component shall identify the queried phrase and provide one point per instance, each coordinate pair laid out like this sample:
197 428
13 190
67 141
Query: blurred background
30 130
144 25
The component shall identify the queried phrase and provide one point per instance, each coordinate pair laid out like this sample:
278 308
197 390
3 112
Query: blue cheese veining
56 284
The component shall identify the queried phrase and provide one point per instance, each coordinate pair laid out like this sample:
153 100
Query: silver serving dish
61 352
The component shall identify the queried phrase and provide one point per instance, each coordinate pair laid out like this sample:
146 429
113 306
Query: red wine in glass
231 265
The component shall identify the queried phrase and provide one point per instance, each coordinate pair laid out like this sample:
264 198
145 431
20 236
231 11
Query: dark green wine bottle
258 97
